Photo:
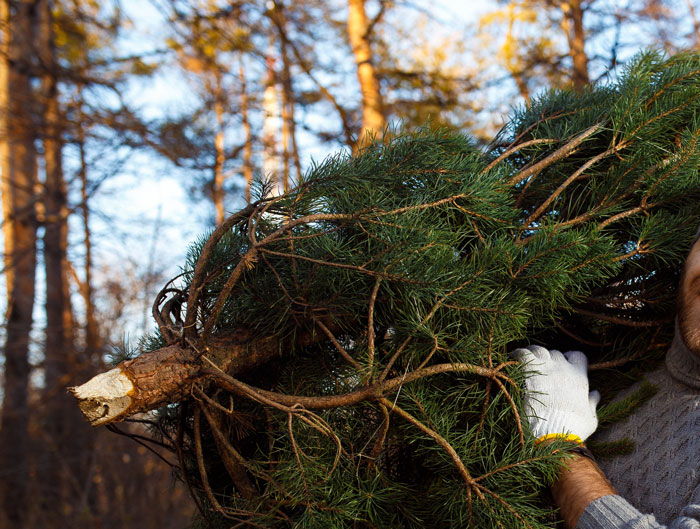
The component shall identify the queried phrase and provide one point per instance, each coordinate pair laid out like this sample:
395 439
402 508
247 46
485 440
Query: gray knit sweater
661 478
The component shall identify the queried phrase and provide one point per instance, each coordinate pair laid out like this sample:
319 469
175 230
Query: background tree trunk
65 435
271 129
18 157
219 177
576 35
373 119
248 147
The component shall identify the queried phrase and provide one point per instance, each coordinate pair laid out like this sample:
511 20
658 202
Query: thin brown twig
200 464
620 321
144 441
379 443
340 265
297 451
200 269
425 320
543 119
505 504
627 213
275 400
337 345
370 325
509 466
416 207
436 346
506 394
461 468
210 401
583 340
181 459
484 411
575 176
233 461
245 263
557 155
478 233
373 392
515 149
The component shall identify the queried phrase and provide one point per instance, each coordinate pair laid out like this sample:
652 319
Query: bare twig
621 321
514 150
373 392
461 468
557 155
337 345
575 176
370 325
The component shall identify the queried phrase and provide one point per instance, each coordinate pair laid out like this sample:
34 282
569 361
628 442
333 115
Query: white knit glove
557 401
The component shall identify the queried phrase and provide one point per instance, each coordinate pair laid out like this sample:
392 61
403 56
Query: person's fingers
578 359
530 354
593 400
556 356
538 352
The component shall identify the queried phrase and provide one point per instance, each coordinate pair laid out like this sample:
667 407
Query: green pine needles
396 281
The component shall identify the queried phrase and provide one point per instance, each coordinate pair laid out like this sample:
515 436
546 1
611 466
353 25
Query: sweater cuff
614 512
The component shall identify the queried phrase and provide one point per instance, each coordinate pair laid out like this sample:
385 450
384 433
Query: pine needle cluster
397 280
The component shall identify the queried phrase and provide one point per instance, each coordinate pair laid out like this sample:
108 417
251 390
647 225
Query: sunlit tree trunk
61 426
289 142
373 119
248 146
93 340
576 35
271 122
18 159
220 154
513 62
696 23
285 141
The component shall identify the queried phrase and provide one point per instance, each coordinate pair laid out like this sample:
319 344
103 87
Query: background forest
129 127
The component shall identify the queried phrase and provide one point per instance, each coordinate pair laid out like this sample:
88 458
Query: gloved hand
557 401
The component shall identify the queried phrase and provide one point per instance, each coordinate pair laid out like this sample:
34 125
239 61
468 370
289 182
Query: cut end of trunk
105 397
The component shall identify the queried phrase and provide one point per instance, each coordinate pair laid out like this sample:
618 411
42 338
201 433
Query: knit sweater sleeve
614 512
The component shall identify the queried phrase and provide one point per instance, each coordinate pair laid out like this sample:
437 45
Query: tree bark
373 120
166 375
18 158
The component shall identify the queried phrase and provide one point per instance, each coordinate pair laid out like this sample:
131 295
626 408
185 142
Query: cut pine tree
338 356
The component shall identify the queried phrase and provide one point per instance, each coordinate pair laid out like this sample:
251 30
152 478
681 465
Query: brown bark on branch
166 375
163 376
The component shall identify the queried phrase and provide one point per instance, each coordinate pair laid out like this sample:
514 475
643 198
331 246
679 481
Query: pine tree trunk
166 375
373 119
285 141
288 120
93 340
218 184
248 147
66 439
512 58
18 158
271 112
576 35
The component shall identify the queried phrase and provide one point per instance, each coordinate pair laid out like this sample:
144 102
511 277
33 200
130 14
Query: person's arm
581 481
